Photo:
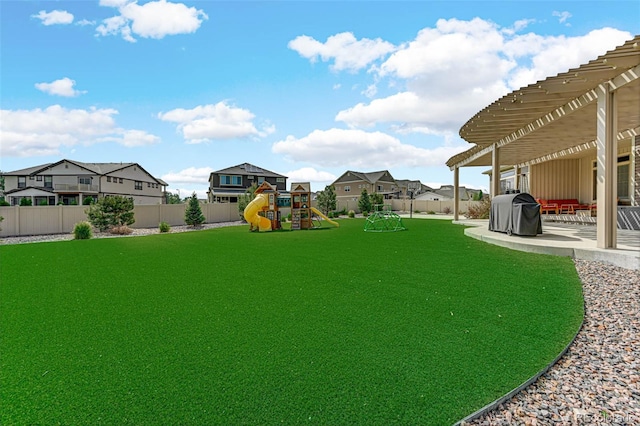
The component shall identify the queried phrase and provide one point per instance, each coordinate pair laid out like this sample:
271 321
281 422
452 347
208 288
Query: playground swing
383 220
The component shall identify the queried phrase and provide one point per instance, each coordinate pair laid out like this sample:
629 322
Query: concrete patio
563 239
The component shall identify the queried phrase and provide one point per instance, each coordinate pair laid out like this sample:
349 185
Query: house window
138 185
48 181
148 184
22 181
108 178
31 178
84 180
279 180
347 188
230 180
251 177
380 188
38 178
623 175
121 181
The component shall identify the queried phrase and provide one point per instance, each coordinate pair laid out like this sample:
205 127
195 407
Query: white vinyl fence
41 220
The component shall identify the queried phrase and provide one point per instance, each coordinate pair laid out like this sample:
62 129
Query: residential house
445 193
349 186
227 184
410 188
70 182
575 135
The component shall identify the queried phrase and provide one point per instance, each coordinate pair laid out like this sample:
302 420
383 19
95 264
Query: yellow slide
319 213
251 213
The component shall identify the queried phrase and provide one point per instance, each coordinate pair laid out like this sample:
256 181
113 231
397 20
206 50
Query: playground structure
262 212
383 220
302 213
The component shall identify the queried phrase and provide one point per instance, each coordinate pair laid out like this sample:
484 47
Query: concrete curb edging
493 405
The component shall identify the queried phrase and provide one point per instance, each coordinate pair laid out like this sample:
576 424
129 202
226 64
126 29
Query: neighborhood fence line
42 220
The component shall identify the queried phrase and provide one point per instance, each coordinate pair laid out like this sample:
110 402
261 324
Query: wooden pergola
592 106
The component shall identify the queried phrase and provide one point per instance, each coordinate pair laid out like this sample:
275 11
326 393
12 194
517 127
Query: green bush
164 227
193 215
4 202
1 219
82 231
25 202
110 212
351 214
87 201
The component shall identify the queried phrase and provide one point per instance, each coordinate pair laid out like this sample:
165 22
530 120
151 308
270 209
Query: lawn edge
493 405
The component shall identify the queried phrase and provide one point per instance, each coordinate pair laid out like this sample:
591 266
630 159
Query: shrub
43 203
121 230
164 227
284 219
1 219
364 202
25 202
111 212
446 210
4 202
193 215
479 210
82 231
87 201
351 214
289 217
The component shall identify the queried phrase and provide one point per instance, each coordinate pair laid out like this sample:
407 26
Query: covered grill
515 214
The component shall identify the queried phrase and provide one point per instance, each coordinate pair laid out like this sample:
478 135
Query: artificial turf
331 326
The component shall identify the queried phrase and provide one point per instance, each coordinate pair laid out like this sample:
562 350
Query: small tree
193 215
87 201
376 200
327 199
173 198
245 199
110 212
25 202
364 202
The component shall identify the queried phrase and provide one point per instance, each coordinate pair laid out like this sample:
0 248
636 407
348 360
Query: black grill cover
515 214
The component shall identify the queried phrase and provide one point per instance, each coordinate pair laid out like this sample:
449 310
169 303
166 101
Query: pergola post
456 192
606 145
495 171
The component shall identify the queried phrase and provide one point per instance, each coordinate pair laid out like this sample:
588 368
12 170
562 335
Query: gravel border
137 232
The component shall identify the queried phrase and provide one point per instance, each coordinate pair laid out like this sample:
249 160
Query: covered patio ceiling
555 117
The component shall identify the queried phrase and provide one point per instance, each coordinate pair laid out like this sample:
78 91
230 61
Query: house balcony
78 187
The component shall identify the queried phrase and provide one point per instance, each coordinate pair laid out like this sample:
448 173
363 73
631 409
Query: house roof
371 177
30 189
247 169
96 168
556 117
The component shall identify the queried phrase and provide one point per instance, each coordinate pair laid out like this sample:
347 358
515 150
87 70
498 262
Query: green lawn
331 326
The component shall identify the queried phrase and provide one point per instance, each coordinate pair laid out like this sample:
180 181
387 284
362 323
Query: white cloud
309 174
54 17
347 52
562 17
155 19
85 22
61 87
215 122
26 133
199 175
449 72
357 148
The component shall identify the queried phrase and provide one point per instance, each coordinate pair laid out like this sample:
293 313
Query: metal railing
78 187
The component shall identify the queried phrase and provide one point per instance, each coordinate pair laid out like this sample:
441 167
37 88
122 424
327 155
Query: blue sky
308 89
